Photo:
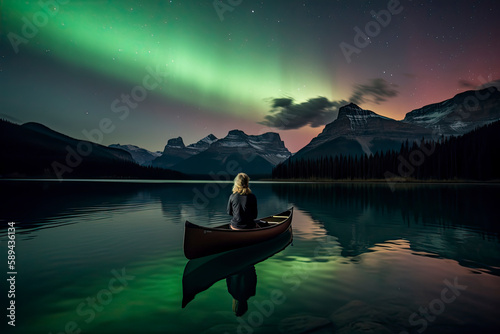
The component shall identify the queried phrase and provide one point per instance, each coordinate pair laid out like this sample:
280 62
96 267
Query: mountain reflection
453 221
425 204
42 203
447 220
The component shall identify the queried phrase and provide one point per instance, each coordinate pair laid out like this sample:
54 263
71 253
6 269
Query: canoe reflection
236 266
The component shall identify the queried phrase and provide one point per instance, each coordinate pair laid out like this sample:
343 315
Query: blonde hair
241 184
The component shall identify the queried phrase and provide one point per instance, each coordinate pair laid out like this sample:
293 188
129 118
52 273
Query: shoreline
393 181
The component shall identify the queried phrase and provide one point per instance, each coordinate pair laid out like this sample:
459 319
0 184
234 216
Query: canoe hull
202 241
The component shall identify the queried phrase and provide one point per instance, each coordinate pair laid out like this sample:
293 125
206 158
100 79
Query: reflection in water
471 206
364 258
236 266
242 286
448 220
36 203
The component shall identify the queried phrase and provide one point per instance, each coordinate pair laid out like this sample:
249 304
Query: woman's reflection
237 267
242 286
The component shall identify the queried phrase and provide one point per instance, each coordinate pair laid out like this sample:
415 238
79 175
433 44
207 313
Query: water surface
106 257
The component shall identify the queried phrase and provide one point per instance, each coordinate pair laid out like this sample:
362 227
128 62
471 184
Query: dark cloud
377 90
469 85
286 114
466 84
283 102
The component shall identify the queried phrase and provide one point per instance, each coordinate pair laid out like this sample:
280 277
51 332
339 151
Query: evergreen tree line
473 156
43 167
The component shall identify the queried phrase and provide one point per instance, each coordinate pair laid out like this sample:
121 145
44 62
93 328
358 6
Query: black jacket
243 208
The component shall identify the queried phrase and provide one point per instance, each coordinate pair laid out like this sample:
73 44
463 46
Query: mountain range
34 149
255 154
175 151
358 131
460 114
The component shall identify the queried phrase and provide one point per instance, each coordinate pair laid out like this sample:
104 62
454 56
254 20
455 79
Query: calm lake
106 257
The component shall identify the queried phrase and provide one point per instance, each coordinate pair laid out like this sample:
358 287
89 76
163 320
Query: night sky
162 69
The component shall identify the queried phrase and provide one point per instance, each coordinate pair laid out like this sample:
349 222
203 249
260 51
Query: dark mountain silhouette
356 136
34 150
140 155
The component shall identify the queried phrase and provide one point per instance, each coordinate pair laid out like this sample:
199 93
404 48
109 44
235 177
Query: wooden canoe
200 274
201 241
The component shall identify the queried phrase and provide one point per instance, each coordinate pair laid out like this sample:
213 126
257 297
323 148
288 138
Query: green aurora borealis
222 74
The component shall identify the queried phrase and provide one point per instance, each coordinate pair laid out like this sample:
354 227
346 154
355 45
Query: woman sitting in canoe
242 204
